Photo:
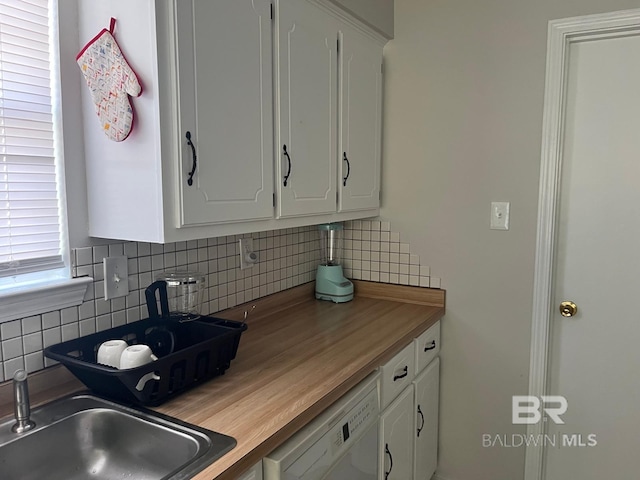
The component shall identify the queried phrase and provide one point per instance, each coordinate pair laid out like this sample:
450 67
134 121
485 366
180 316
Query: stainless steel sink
84 436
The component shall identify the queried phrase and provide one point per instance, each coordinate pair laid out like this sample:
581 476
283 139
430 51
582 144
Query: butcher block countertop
297 357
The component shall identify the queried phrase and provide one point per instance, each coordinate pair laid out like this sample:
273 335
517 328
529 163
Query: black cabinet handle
345 159
430 346
195 159
386 450
405 372
286 177
422 417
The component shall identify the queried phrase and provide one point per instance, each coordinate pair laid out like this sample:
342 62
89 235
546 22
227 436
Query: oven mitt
111 81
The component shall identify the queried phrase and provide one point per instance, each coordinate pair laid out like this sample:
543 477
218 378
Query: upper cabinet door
307 109
360 115
224 60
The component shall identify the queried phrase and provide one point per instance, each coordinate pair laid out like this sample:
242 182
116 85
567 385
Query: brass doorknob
568 309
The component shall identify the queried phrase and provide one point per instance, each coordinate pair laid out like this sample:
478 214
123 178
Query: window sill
42 299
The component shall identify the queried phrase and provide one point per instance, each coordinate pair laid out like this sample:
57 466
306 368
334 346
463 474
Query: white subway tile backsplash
87 310
12 348
31 324
84 256
50 320
103 322
131 250
87 326
100 253
287 258
116 250
372 251
70 332
52 336
144 249
32 342
69 315
33 362
10 330
11 366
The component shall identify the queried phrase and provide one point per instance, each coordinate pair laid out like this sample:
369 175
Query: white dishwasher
340 444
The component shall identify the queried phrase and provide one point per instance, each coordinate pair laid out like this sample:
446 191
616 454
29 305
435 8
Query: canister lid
181 277
330 226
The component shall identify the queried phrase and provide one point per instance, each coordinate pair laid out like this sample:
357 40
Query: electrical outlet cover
116 281
248 258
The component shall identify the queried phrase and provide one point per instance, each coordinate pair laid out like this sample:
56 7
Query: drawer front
397 374
427 347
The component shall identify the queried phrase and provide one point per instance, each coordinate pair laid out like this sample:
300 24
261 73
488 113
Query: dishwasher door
360 462
341 444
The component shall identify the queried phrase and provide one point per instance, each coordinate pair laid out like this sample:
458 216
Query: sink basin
84 436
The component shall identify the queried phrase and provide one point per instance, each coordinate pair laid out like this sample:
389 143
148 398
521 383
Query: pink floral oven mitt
111 81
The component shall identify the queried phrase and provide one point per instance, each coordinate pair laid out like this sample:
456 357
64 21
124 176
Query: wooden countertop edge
400 293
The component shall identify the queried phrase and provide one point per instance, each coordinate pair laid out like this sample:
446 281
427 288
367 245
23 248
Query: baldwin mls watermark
530 410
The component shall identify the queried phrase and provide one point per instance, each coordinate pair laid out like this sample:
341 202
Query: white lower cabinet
425 448
254 474
396 438
408 444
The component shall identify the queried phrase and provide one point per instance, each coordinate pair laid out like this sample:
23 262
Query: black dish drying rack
189 353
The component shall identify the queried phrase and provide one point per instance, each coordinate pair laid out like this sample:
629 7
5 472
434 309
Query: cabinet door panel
307 42
427 387
396 438
254 474
360 114
225 77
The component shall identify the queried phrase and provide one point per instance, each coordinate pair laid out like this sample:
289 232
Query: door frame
561 34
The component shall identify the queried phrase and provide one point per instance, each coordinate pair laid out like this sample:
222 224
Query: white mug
110 352
136 355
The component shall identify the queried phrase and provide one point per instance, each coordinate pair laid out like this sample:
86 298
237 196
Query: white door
595 355
307 104
426 398
225 80
396 438
360 121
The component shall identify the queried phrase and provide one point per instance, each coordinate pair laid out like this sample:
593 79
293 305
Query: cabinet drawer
396 374
427 347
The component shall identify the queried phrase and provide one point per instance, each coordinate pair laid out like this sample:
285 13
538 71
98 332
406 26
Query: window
33 240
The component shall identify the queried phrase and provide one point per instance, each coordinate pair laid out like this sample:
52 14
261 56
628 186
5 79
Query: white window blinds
30 226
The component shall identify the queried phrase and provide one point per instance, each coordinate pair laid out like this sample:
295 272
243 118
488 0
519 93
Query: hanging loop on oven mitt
111 81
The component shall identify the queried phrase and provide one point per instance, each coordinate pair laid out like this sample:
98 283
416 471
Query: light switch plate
499 215
116 281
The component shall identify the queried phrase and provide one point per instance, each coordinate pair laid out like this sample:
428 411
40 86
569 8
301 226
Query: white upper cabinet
360 121
307 109
233 75
329 89
225 83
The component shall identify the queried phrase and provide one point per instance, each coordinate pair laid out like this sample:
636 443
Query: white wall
462 127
